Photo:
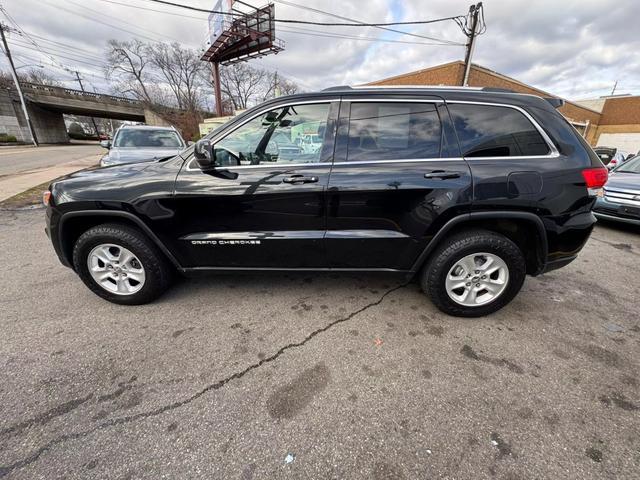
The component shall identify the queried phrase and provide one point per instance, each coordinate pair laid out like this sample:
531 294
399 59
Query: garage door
628 142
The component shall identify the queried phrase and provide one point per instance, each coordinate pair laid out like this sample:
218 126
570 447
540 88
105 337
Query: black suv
469 189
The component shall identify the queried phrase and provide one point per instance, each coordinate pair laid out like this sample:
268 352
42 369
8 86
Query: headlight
46 197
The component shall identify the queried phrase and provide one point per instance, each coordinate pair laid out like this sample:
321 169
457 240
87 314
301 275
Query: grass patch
28 199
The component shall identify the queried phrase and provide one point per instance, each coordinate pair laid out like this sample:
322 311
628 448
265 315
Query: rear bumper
556 264
566 239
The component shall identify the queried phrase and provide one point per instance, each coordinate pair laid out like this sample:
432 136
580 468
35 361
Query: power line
311 9
152 9
122 21
93 19
65 45
316 33
306 22
49 53
21 32
60 51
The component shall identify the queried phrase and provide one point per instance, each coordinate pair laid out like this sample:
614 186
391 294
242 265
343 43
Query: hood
627 181
92 181
132 155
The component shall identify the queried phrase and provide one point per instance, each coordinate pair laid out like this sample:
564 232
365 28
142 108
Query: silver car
142 143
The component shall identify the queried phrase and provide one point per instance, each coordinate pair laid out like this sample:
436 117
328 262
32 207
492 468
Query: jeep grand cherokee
467 189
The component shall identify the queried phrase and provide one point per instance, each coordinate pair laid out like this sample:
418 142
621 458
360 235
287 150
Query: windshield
147 139
630 166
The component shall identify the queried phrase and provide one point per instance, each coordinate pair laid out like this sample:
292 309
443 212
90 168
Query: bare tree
242 84
31 76
128 64
287 87
37 75
181 70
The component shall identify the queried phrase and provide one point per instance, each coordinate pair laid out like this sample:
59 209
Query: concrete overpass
47 104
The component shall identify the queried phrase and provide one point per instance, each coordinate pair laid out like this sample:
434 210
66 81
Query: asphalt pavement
318 376
23 158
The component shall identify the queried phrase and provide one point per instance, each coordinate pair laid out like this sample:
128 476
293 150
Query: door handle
442 174
299 179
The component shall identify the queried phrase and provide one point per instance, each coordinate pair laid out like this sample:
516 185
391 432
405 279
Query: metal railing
70 93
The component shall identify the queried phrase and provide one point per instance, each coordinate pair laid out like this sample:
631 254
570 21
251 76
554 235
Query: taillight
595 178
46 197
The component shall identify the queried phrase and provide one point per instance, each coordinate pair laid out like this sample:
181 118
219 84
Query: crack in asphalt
620 246
7 469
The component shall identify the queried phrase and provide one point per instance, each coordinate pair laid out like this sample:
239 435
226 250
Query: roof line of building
489 71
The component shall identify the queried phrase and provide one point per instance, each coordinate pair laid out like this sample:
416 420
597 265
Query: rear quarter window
494 131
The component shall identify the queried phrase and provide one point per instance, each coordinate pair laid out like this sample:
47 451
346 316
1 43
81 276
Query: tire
147 271
464 249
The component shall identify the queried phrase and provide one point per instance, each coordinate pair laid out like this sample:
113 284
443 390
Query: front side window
393 131
491 131
147 138
292 134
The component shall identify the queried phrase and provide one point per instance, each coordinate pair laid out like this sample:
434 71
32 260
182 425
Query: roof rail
555 102
498 90
339 87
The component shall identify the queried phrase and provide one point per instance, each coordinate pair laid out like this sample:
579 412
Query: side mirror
203 153
105 144
189 143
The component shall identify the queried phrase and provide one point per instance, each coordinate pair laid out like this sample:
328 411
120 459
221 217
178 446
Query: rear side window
393 131
490 131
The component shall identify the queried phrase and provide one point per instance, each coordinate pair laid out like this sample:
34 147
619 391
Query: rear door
509 155
397 178
263 206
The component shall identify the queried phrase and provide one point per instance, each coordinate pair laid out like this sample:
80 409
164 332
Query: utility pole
615 85
92 119
7 52
474 11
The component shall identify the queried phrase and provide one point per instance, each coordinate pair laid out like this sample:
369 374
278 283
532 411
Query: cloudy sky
576 49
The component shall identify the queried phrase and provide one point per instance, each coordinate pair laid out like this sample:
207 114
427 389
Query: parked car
466 189
612 157
619 200
141 143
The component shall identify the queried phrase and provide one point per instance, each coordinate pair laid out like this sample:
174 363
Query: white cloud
572 48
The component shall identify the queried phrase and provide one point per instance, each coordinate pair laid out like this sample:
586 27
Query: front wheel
121 265
474 273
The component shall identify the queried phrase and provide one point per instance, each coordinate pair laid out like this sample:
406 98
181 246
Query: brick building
613 115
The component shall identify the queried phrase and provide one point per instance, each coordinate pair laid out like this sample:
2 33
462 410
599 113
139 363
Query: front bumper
52 231
617 212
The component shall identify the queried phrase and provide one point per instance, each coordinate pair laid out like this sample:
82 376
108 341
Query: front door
263 206
397 178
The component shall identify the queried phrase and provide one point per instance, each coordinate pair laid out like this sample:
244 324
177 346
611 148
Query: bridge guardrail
69 92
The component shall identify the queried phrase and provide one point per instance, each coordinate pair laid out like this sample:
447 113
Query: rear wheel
475 273
121 265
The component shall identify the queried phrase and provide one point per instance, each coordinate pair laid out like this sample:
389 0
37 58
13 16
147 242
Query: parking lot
318 376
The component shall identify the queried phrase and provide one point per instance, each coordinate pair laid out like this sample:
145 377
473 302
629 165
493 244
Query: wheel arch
74 224
525 229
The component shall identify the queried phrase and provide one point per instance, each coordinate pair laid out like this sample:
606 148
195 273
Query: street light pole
7 52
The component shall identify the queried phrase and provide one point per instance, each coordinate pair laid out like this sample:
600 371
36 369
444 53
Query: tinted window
147 138
488 131
387 131
284 135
